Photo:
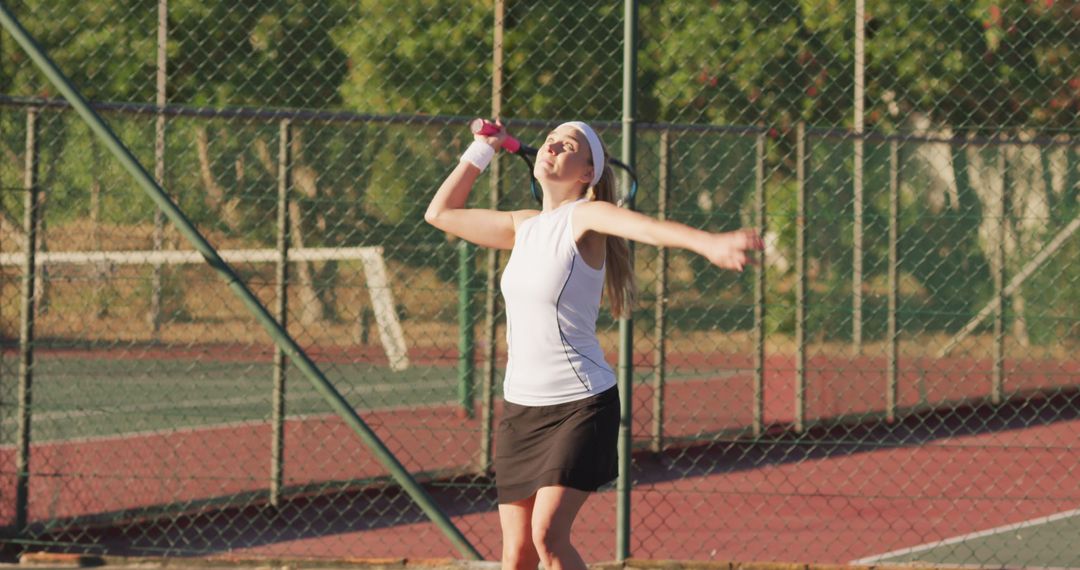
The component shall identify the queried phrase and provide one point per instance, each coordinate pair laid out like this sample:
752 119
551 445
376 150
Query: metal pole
159 161
277 442
466 336
26 321
487 389
487 379
299 358
998 379
800 278
1071 184
626 325
759 290
894 275
491 296
857 179
660 352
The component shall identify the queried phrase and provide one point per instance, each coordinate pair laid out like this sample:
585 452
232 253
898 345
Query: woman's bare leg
553 514
518 552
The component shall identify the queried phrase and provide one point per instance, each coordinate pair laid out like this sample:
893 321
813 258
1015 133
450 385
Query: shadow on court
783 446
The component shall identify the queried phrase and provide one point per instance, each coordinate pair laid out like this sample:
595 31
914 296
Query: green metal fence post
277 443
491 296
626 334
154 317
894 267
800 277
998 379
26 320
466 336
759 289
857 180
660 351
299 358
487 388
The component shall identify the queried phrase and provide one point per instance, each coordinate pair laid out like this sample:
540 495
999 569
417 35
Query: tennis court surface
1033 543
118 464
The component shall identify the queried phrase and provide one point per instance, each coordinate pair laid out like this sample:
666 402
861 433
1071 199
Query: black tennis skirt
569 445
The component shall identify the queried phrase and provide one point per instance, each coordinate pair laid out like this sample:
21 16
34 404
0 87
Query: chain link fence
895 382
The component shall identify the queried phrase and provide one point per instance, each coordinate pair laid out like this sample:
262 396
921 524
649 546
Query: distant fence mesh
896 381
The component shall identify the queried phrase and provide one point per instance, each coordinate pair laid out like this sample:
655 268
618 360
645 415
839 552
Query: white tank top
552 300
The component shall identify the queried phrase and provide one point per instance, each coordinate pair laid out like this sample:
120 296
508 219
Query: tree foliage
934 66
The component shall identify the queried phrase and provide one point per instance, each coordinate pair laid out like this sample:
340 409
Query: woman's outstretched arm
729 250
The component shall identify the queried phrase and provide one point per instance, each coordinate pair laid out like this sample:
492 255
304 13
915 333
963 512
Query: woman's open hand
731 250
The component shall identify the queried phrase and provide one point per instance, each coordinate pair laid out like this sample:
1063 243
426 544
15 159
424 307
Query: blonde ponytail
621 290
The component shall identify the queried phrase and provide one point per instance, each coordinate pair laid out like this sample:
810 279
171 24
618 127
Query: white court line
362 412
189 257
965 537
364 389
223 425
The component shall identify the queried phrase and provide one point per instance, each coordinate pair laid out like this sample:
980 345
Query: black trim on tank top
562 337
509 344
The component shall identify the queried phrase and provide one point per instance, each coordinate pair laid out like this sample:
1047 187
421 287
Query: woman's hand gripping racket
510 144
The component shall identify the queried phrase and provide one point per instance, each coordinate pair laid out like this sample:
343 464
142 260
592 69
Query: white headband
594 146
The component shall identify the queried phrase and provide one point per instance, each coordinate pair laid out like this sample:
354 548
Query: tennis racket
528 154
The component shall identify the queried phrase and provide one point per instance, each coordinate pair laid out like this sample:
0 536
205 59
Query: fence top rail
261 113
272 114
959 139
346 117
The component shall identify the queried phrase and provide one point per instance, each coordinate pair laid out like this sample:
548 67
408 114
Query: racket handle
487 128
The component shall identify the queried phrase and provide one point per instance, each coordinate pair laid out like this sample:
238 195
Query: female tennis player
557 440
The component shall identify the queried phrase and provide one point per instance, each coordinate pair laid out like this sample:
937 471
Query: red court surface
818 510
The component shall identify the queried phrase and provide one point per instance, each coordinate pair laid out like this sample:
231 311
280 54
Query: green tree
985 64
418 56
272 53
106 48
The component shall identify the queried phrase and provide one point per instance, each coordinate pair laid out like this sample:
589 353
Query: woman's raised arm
447 211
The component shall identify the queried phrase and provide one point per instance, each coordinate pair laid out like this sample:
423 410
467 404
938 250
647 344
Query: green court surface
75 398
1038 543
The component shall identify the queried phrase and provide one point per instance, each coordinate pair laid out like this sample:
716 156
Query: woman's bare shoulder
522 215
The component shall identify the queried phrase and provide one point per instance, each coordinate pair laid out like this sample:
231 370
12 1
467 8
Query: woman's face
564 157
